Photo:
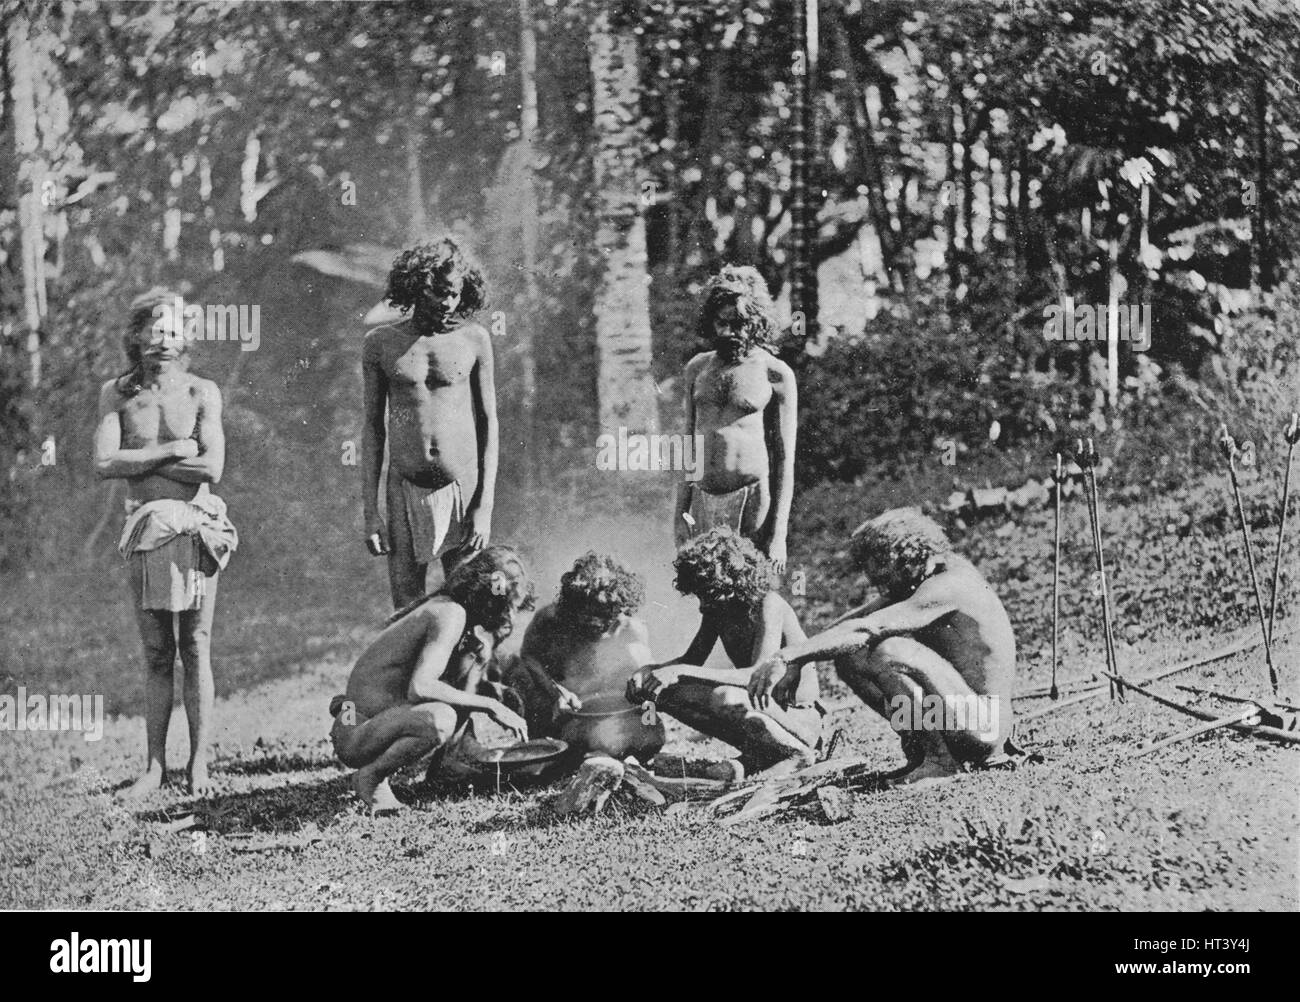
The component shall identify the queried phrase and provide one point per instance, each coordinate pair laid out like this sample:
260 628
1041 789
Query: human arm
485 419
682 528
785 398
558 698
208 466
373 435
652 679
771 678
930 602
112 462
866 608
444 624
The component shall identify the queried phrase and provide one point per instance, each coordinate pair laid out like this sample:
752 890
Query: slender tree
625 390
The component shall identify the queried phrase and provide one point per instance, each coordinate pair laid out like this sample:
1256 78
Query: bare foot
931 772
729 771
375 793
149 782
200 785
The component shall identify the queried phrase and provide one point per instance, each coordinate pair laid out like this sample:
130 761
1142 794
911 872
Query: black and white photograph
651 456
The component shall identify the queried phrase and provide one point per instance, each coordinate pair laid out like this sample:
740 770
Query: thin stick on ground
1228 446
1292 436
1058 478
1088 458
1258 730
1250 716
1229 698
1097 688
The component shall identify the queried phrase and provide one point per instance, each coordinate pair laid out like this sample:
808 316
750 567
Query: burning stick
1088 459
1058 478
1228 446
1292 435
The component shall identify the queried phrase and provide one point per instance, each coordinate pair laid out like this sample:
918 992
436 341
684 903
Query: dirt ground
1207 824
1210 823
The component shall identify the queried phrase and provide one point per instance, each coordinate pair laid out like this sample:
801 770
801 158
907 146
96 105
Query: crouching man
577 657
421 678
734 584
934 654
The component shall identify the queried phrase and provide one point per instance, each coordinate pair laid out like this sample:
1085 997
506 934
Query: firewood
591 785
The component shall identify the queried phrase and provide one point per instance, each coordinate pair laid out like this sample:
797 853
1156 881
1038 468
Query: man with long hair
577 656
421 678
160 431
430 396
743 401
735 585
934 654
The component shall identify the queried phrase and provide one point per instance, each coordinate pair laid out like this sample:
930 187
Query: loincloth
179 545
435 517
711 511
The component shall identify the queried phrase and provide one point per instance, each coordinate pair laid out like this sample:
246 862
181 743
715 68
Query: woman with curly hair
423 676
742 401
430 396
735 585
934 654
577 656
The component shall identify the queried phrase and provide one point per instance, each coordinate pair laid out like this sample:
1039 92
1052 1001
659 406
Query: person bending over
421 678
934 654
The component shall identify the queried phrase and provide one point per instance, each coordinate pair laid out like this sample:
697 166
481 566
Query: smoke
552 539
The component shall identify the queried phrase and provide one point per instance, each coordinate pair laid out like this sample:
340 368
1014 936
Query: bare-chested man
935 654
576 659
734 584
422 677
743 401
160 430
431 377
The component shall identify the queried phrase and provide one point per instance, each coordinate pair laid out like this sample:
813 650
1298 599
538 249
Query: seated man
417 683
934 654
577 656
733 582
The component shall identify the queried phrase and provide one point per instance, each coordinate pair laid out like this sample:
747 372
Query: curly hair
491 586
895 547
595 593
140 317
723 568
420 273
744 287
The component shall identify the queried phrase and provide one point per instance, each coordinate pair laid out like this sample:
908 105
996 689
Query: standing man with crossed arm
160 431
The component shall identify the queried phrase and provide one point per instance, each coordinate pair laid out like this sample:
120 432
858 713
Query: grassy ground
1208 824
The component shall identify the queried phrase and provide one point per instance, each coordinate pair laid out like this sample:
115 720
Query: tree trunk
30 182
950 206
523 332
1112 324
625 388
803 265
868 154
672 116
710 133
1262 272
418 220
967 178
